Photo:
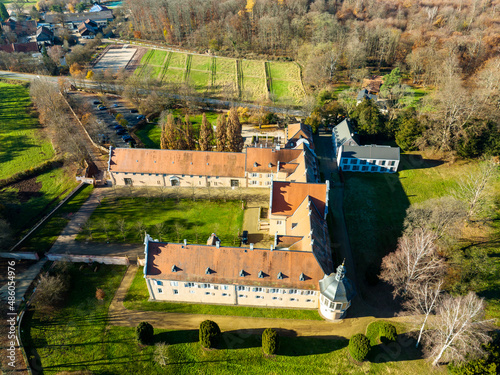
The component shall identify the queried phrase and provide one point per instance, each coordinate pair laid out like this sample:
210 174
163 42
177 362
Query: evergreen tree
221 133
4 15
206 134
188 134
370 120
234 138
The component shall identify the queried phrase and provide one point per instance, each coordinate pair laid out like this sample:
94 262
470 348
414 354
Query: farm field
250 80
21 136
165 219
78 337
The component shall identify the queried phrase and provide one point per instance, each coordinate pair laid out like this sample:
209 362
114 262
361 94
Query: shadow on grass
177 337
414 161
403 349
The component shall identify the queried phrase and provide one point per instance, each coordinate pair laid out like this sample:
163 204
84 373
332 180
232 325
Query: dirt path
120 316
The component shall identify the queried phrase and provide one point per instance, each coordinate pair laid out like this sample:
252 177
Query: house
44 35
298 134
98 8
20 28
31 47
365 94
72 20
343 134
256 167
371 158
373 84
88 29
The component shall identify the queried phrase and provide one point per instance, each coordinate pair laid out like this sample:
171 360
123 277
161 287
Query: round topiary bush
270 341
209 334
144 333
359 347
387 332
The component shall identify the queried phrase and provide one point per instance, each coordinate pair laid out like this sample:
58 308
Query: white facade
332 310
362 159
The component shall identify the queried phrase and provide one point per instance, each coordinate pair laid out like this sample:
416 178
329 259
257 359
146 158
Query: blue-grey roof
344 132
371 152
337 289
364 94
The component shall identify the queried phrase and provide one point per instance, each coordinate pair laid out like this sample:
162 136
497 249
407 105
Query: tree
270 341
144 333
50 292
359 347
368 117
18 6
4 15
122 227
423 301
209 334
409 130
188 134
206 134
459 330
234 138
381 331
221 133
160 355
414 261
5 233
472 189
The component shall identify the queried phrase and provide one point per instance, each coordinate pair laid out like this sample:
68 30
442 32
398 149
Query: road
112 88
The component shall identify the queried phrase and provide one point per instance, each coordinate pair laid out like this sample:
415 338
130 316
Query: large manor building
295 271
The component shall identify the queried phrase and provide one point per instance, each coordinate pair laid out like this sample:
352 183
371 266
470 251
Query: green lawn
21 136
77 338
287 92
253 68
173 75
22 210
44 237
158 57
177 60
284 71
225 65
194 221
203 63
200 80
137 299
254 88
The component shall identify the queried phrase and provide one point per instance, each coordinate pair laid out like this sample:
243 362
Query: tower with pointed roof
336 293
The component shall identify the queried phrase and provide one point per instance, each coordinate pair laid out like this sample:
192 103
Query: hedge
359 347
270 341
144 333
381 331
209 334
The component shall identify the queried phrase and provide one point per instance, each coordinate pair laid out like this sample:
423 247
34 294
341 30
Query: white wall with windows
368 165
332 310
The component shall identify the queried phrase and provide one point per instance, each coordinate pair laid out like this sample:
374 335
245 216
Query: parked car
134 111
116 127
115 105
141 117
244 237
97 102
128 138
102 108
121 131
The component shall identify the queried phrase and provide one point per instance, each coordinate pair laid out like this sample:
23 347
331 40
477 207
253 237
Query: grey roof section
343 132
364 94
79 17
371 152
336 291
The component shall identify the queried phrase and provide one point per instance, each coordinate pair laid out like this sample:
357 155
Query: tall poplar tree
221 133
206 134
234 138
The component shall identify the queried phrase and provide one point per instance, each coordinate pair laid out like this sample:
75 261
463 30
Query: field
21 136
375 205
137 299
78 337
151 132
225 77
167 220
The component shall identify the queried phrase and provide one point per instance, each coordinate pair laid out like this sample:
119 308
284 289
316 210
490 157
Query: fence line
89 259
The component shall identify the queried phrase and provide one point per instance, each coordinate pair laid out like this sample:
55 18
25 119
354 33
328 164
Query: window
269 175
293 291
174 182
371 161
355 167
235 183
160 290
224 287
159 283
254 175
216 287
268 183
192 291
292 299
308 300
362 162
254 182
294 225
207 293
279 222
256 290
175 291
242 296
393 169
373 169
189 285
347 168
344 161
224 294
259 297
128 181
364 168
381 162
275 297
241 287
354 161
174 283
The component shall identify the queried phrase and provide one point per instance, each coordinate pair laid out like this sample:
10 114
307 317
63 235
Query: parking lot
106 117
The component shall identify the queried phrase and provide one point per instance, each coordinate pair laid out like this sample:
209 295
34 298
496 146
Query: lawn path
118 315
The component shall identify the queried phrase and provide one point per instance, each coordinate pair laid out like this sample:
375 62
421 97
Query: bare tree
140 227
161 354
88 227
206 134
178 230
105 228
472 189
424 298
415 260
459 329
160 229
122 227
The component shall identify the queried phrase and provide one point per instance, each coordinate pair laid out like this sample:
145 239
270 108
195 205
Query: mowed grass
158 57
287 92
253 68
254 88
166 220
23 211
284 71
137 299
78 337
200 80
203 63
225 66
174 76
23 145
177 60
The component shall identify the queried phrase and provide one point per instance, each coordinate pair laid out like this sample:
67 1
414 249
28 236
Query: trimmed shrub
100 294
144 333
359 347
381 331
270 341
209 334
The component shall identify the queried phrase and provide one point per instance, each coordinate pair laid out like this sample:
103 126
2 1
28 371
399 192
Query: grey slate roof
371 152
79 17
337 289
343 132
364 94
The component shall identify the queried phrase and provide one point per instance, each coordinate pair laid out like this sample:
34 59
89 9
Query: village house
297 134
72 20
343 134
370 158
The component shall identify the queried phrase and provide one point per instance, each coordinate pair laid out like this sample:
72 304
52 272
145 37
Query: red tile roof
287 196
177 162
191 262
264 156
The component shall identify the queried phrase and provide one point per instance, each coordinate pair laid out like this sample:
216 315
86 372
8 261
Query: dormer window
280 275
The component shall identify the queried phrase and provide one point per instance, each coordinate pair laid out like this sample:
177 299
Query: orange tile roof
297 131
264 156
177 162
191 262
287 196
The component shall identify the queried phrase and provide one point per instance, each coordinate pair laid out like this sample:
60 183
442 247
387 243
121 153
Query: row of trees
179 135
420 268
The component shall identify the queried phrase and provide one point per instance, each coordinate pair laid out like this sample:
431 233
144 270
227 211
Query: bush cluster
359 347
381 331
270 341
144 333
209 334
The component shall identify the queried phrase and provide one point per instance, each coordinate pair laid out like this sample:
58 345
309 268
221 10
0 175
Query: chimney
251 246
217 244
185 242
